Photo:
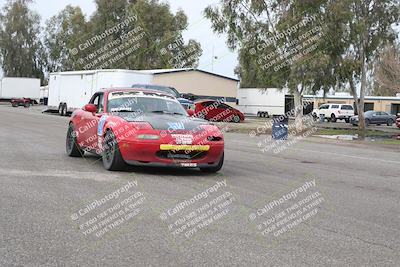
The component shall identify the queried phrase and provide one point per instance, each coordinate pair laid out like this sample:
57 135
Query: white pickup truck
334 112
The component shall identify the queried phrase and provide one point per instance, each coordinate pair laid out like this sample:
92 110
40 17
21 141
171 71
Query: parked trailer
72 90
19 88
261 102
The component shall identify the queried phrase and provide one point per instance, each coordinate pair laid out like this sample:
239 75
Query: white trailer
263 102
11 87
72 90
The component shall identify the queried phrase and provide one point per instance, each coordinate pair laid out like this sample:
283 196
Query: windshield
145 104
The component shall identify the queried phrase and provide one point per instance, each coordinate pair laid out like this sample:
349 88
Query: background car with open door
214 110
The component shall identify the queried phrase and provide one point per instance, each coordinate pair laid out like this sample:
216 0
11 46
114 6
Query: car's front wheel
214 168
390 122
111 155
71 143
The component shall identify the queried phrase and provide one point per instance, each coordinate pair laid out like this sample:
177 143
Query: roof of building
155 72
166 71
351 97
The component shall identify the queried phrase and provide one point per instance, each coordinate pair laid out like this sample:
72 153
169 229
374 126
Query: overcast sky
199 29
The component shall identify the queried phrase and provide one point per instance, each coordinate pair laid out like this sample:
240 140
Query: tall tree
63 34
281 44
21 50
387 71
141 34
367 26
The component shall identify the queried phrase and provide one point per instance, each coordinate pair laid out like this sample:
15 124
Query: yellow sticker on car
185 147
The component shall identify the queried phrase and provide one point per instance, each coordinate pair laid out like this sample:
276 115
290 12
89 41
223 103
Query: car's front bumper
354 121
148 153
342 117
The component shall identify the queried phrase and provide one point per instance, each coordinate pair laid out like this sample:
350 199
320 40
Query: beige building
202 84
376 103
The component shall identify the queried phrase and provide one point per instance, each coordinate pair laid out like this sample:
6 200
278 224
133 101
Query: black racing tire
71 144
216 168
60 109
333 118
236 119
111 155
389 122
64 110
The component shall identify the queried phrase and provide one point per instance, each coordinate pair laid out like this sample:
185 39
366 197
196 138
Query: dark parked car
375 117
186 103
165 89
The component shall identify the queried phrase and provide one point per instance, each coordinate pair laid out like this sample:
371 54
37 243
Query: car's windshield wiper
123 110
166 112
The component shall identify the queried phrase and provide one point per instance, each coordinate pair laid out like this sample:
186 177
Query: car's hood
166 121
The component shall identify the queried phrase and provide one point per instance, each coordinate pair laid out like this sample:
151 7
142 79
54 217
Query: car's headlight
148 137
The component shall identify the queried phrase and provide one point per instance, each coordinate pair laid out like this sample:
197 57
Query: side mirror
190 112
90 108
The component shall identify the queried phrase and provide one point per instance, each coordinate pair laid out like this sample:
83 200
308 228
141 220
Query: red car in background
26 102
214 110
146 128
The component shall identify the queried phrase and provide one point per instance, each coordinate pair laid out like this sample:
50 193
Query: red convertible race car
145 128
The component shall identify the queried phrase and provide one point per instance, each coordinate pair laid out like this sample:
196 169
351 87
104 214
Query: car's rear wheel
236 119
214 168
112 158
390 122
71 144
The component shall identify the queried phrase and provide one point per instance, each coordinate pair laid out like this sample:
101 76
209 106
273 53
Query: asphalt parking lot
356 223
